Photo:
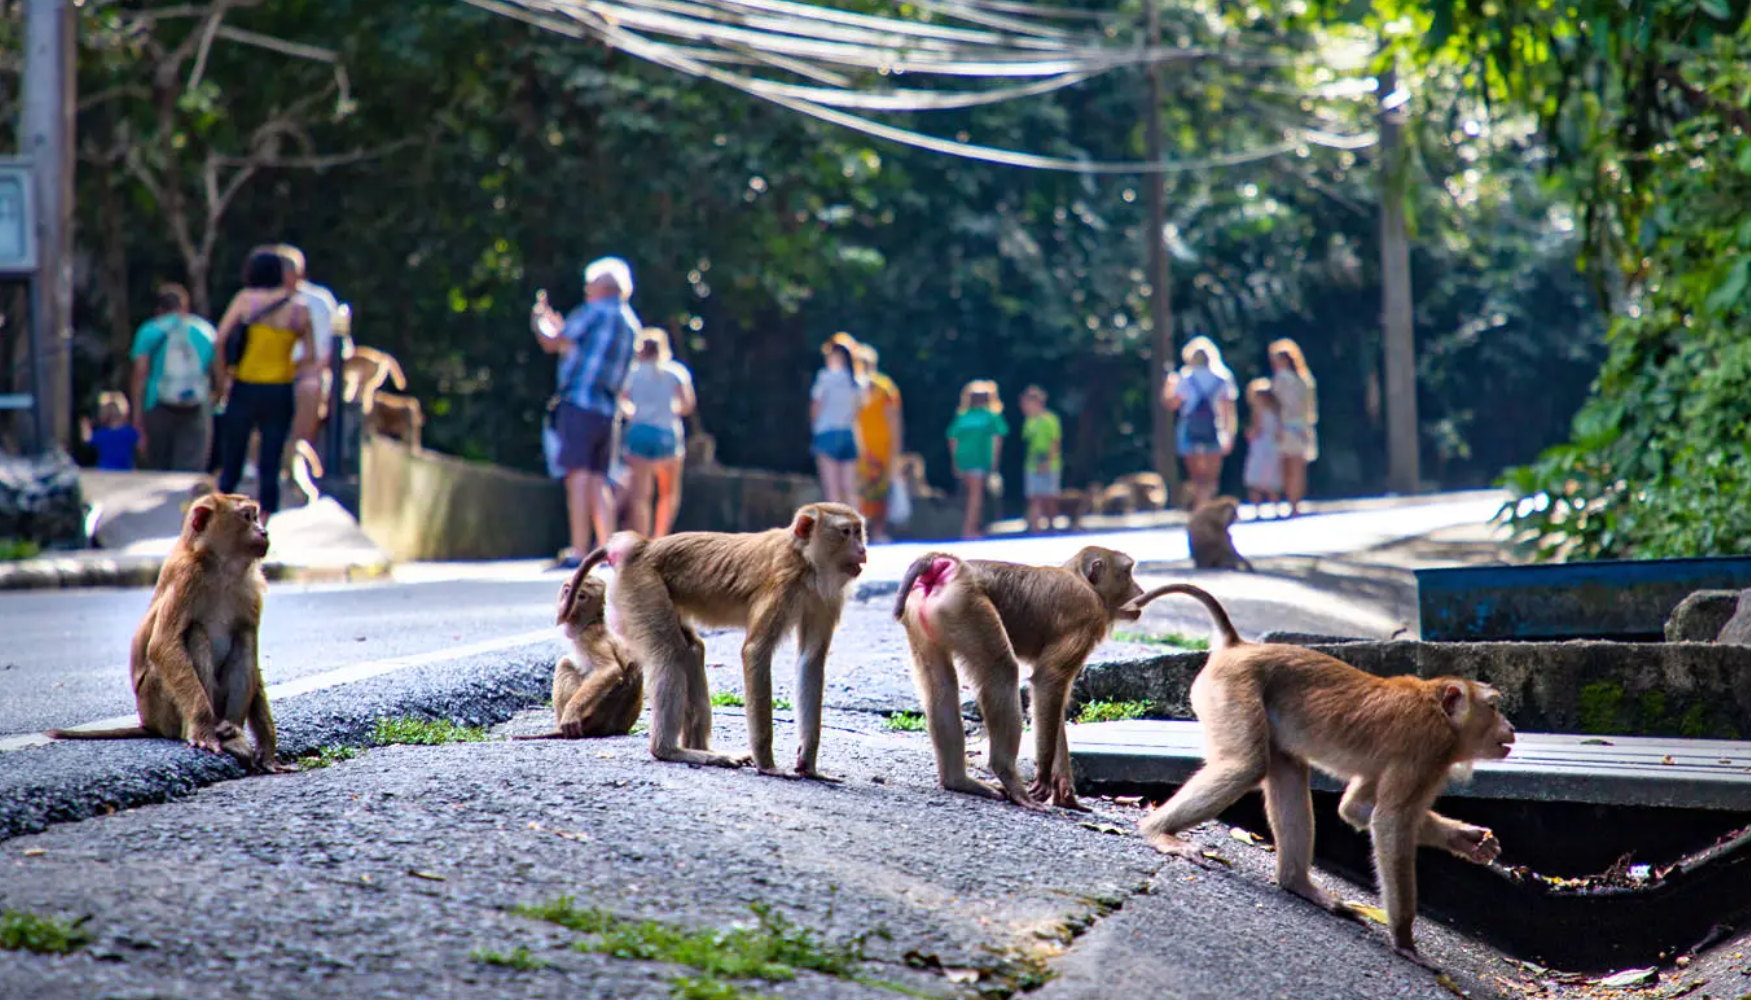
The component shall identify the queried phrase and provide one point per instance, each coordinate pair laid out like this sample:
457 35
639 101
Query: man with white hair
594 345
320 303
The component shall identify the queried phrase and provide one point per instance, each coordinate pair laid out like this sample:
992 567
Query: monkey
1116 499
364 372
1269 711
601 691
771 583
1207 534
1148 490
990 615
194 658
396 416
1077 504
701 451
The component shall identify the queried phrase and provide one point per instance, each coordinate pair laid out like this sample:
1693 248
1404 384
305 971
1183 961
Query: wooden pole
1160 281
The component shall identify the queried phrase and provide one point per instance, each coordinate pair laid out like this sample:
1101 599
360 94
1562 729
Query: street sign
17 219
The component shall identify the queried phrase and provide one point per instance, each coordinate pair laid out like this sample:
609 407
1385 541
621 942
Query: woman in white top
834 402
658 393
1298 400
1203 394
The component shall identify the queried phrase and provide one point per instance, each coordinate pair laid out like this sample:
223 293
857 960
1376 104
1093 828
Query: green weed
1112 711
726 699
424 732
521 959
15 549
23 931
782 704
327 757
905 722
1179 639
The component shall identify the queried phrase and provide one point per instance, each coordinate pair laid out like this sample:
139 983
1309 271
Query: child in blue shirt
114 439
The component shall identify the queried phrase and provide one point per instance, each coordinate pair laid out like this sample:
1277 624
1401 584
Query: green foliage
521 959
424 732
772 950
905 722
1177 639
17 549
726 699
24 931
1112 711
329 756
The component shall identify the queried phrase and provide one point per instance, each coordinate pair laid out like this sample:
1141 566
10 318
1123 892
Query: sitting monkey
598 690
1207 531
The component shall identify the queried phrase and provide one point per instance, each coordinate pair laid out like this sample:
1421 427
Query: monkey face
1110 574
1476 713
832 537
230 522
582 603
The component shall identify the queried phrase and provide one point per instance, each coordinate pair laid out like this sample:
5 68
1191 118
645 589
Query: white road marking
318 682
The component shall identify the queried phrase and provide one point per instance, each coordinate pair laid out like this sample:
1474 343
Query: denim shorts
838 446
1042 484
652 443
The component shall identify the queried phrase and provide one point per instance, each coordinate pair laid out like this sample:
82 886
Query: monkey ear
199 516
1453 699
803 526
1094 569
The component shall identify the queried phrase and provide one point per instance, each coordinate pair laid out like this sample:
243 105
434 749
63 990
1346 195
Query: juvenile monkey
990 615
396 416
1207 533
771 583
193 662
598 689
1268 711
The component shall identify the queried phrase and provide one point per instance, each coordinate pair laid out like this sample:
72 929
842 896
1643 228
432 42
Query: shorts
1299 441
586 439
1187 446
652 443
837 446
1042 484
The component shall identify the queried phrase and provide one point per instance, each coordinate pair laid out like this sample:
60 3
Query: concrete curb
55 573
1174 517
65 782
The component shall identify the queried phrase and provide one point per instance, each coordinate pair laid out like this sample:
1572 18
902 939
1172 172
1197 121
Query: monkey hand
1474 843
265 763
571 729
226 730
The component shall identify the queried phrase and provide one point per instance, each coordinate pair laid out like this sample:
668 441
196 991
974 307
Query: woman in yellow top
258 381
878 432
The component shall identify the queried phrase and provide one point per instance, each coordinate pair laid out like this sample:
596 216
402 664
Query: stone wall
420 505
1609 688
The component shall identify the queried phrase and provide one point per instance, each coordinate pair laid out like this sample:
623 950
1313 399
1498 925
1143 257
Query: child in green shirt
1042 436
975 443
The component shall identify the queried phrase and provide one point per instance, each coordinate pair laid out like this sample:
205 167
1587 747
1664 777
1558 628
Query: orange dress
876 444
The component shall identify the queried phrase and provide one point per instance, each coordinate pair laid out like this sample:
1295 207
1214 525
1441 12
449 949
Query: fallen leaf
961 975
1246 836
34 852
1373 913
1724 760
430 876
1446 982
1213 856
1667 759
1628 977
1105 828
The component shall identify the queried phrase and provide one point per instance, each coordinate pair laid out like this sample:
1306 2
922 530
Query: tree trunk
1402 475
112 231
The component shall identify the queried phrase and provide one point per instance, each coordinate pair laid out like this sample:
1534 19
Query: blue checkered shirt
592 373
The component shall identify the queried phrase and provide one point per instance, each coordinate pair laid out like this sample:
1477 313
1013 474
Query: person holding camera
594 344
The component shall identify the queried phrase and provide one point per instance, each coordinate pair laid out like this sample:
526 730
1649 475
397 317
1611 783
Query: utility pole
1160 282
46 129
1402 475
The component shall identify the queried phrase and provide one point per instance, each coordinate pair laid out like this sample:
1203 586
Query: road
63 660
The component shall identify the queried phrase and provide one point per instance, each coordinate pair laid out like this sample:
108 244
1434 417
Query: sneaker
568 560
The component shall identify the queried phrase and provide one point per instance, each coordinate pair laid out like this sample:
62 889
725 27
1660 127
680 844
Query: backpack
183 379
1200 419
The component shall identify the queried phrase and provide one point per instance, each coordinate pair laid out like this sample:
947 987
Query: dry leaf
1373 913
1628 977
429 876
1213 856
1667 759
1105 828
961 975
1246 836
1446 982
34 852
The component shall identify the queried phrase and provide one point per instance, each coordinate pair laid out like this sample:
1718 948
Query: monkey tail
129 733
555 735
913 572
1228 636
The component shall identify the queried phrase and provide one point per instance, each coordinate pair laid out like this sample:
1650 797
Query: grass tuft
726 699
905 722
521 959
772 950
24 931
1179 639
16 549
1112 711
327 757
424 732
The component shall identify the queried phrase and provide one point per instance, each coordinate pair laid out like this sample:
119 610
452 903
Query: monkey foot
274 767
973 786
703 758
1056 794
1177 847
